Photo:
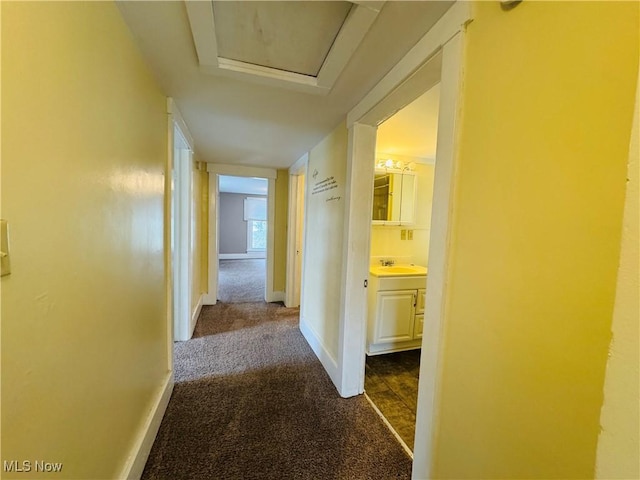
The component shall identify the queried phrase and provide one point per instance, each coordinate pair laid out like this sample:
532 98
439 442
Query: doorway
296 230
182 235
269 175
243 233
399 238
436 58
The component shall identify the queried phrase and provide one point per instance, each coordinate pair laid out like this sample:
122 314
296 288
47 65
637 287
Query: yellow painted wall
84 147
547 108
619 445
322 272
280 231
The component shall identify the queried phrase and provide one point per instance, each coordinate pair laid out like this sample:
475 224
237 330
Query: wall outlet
410 234
403 234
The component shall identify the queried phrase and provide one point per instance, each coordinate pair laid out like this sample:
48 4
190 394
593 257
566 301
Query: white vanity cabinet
395 313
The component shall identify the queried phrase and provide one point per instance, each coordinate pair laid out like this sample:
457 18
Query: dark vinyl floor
391 381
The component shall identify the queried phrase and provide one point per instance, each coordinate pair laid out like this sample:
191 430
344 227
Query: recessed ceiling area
412 131
241 121
304 46
289 36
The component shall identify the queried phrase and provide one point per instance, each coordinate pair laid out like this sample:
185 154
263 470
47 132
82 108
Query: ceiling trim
203 30
176 117
370 4
241 170
353 30
446 28
268 74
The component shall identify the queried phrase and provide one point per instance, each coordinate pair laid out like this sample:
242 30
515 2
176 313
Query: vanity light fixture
399 165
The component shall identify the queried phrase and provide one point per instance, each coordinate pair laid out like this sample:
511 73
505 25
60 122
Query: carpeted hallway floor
242 280
251 401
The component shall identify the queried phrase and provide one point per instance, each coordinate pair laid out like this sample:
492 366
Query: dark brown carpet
251 401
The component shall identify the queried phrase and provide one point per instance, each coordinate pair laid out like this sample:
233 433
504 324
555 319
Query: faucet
387 262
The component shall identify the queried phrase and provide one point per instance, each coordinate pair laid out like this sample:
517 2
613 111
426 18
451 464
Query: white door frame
216 169
294 280
181 151
438 56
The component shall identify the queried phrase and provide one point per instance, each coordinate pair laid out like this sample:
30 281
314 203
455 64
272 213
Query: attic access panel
296 44
291 36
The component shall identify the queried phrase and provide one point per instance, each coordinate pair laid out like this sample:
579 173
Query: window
257 235
255 213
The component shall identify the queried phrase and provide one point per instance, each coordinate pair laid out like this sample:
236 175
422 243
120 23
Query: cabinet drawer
399 283
418 326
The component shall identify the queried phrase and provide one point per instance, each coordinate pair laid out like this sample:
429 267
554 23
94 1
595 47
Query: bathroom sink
398 270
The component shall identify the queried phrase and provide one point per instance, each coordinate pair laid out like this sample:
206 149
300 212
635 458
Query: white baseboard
241 256
195 315
137 458
208 299
326 359
275 297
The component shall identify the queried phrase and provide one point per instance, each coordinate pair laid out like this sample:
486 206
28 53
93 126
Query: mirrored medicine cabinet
394 194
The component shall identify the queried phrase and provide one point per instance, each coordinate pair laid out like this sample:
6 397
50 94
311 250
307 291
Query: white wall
320 303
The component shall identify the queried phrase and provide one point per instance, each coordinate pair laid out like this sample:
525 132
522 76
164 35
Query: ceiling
412 131
244 119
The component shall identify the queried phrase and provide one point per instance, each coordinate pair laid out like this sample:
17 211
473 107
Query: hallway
530 358
251 400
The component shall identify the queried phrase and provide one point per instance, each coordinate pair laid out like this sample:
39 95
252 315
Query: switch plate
403 234
5 264
410 234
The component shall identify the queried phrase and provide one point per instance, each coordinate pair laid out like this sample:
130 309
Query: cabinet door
395 316
422 293
419 326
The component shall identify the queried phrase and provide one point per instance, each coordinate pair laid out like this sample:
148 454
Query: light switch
403 234
410 234
5 264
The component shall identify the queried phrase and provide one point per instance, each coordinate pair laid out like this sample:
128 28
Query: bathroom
399 258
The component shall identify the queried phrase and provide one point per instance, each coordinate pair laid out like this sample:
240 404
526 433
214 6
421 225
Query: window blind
255 208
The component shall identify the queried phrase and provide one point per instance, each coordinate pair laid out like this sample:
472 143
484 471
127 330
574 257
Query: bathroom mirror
393 197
